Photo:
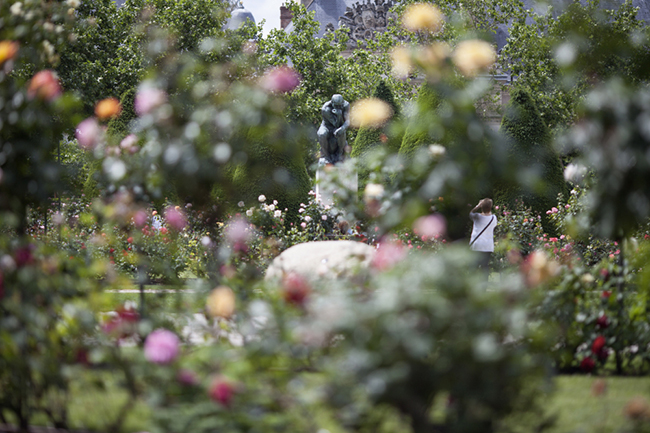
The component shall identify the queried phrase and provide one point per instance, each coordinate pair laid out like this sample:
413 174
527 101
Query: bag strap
484 229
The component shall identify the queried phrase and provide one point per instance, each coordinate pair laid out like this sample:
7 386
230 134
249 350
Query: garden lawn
579 410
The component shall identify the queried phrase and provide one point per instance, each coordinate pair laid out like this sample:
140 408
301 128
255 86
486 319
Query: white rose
261 198
277 213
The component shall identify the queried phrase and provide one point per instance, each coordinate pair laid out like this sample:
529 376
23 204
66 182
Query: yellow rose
433 55
221 302
423 16
370 112
373 191
108 108
473 56
401 59
8 50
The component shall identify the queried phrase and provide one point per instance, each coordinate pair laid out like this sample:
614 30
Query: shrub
283 176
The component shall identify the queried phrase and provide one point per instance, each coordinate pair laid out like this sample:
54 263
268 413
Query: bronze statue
331 134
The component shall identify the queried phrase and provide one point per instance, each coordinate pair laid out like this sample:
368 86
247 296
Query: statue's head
337 100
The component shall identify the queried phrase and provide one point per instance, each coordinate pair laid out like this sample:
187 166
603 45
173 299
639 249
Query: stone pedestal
336 181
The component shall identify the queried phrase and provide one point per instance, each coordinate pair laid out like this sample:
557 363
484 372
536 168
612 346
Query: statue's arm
346 121
346 117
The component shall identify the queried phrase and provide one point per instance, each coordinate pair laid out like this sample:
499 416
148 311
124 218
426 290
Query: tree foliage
105 58
323 67
560 54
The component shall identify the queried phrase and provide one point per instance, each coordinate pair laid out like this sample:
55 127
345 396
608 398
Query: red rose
602 322
130 239
296 288
24 256
598 345
587 364
606 294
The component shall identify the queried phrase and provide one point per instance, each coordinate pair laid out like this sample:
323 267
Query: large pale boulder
322 259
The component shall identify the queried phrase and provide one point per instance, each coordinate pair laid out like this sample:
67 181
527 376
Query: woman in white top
482 239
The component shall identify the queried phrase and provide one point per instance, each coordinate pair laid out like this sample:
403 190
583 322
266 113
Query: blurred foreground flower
574 173
8 50
282 79
369 113
108 108
122 322
474 56
161 347
637 409
423 16
221 302
388 255
44 85
88 133
401 61
130 144
373 191
148 98
430 227
238 231
437 150
295 288
221 390
175 218
537 268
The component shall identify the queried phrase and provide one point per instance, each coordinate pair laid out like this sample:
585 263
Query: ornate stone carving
364 19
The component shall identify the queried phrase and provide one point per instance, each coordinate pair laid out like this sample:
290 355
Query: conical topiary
529 141
418 133
368 138
119 126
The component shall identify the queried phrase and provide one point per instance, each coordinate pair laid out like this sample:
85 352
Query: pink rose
161 347
388 255
44 85
140 218
281 80
147 99
430 226
88 133
130 144
175 218
237 231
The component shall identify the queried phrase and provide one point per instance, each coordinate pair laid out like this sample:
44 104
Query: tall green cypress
530 147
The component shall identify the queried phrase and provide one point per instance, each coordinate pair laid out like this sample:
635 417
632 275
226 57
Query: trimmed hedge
529 142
